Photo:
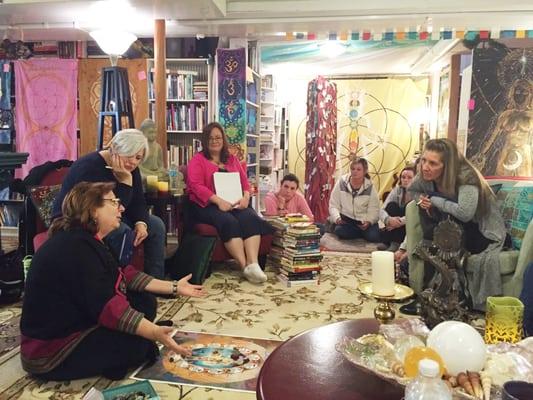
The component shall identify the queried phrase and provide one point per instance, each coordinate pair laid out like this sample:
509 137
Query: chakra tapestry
500 126
46 112
231 68
219 361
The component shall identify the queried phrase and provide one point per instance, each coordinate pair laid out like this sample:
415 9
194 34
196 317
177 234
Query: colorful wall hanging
46 113
90 78
231 70
6 116
500 130
321 145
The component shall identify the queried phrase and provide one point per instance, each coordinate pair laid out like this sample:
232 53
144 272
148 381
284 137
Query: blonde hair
451 178
78 206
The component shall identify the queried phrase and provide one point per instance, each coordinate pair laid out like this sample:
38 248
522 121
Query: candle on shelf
151 183
383 273
162 188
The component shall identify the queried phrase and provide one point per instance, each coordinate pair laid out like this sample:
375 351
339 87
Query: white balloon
460 346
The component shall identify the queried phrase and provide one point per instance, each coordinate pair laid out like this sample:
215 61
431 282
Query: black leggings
396 235
109 352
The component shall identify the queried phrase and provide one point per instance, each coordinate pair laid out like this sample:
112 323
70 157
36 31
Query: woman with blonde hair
84 315
449 185
119 163
354 204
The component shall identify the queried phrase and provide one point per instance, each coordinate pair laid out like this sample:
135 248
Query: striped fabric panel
130 320
138 281
48 363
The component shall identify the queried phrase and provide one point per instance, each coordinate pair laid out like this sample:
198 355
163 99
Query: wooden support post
455 93
160 85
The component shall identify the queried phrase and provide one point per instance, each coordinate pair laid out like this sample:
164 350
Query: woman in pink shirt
238 225
287 200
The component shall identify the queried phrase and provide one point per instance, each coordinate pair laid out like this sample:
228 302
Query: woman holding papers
239 227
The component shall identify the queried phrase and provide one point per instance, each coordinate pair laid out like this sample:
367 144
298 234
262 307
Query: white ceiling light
113 42
332 49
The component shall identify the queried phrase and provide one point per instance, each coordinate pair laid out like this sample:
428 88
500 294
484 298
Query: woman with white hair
119 163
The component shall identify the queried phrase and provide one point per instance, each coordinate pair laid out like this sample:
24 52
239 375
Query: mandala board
217 361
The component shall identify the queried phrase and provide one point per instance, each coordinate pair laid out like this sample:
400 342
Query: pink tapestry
46 112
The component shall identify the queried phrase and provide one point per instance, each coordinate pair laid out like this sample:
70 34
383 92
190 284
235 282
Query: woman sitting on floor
287 200
393 211
119 164
354 204
83 315
449 185
238 225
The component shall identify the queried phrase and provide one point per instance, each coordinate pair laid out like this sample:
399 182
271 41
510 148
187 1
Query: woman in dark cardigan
83 315
119 164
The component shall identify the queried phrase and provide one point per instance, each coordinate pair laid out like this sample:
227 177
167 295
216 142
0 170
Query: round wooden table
309 367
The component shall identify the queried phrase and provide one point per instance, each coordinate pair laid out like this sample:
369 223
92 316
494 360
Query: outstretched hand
163 335
188 289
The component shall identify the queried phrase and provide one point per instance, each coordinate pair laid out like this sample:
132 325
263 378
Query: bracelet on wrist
175 288
142 223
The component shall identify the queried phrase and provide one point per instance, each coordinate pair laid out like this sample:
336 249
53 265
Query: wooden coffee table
308 367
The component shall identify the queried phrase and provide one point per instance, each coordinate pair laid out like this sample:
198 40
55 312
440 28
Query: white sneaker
254 273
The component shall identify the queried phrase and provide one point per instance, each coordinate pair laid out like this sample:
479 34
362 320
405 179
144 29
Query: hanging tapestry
46 114
6 116
231 69
500 127
90 78
321 145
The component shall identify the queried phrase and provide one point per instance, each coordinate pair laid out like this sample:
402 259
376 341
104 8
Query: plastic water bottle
173 178
428 384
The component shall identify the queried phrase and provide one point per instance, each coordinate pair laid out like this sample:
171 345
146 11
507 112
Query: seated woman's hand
224 205
187 289
120 171
394 223
364 225
163 335
400 255
242 203
340 221
141 233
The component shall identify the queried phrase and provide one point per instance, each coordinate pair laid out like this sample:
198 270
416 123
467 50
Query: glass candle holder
504 320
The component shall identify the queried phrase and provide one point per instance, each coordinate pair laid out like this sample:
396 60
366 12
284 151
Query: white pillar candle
383 273
151 183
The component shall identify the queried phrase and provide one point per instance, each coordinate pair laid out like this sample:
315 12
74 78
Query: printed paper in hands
228 186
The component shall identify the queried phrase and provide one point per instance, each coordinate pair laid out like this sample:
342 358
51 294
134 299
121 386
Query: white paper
228 186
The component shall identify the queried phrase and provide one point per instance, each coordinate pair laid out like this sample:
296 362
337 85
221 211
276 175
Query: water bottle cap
428 368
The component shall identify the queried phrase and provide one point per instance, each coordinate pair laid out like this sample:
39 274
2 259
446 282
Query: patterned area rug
331 242
233 307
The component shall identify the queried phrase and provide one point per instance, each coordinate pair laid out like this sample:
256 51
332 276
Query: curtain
321 143
46 112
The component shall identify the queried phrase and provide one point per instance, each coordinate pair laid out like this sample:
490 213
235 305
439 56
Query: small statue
447 297
153 165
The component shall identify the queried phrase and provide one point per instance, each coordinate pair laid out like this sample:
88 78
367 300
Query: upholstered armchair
512 262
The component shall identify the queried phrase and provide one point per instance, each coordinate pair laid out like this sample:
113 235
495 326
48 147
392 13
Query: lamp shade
113 42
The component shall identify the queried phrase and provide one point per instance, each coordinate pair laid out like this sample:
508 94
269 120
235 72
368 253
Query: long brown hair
206 132
452 178
78 205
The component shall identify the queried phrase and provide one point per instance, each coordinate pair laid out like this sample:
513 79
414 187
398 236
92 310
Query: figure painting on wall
505 147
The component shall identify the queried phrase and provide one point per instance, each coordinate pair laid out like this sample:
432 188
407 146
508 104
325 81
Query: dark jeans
396 235
232 224
109 352
351 230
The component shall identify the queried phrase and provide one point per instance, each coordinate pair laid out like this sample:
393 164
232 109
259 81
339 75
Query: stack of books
295 250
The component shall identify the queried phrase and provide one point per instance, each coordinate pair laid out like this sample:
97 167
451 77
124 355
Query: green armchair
512 262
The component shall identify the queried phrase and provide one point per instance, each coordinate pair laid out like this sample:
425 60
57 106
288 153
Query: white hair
128 142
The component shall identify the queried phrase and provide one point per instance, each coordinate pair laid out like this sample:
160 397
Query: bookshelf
273 145
189 104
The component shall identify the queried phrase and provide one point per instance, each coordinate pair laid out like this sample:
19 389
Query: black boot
412 308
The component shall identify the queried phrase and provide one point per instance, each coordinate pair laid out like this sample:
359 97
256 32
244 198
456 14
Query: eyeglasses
117 202
216 139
